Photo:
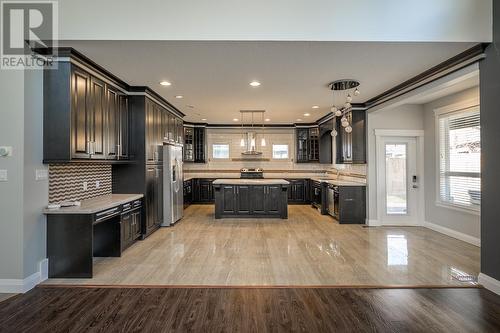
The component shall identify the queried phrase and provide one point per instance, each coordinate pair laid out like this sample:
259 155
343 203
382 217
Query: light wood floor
306 249
3 297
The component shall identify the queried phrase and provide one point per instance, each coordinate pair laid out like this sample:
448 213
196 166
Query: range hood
251 144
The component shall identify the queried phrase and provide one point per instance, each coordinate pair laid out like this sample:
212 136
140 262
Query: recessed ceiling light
267 119
307 114
235 119
165 83
179 96
315 107
255 83
203 119
299 119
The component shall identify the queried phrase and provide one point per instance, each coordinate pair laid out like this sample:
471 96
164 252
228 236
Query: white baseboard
18 286
453 233
372 223
489 283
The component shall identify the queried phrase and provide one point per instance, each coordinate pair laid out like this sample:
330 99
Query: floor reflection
397 250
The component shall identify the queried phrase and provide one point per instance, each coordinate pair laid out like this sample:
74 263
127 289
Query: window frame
220 144
287 158
461 107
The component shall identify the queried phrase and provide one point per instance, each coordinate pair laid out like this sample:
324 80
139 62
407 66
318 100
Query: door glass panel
396 178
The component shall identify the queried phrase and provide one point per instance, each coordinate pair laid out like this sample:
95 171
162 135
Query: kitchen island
251 198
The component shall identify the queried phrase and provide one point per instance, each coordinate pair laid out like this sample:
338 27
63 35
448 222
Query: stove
251 173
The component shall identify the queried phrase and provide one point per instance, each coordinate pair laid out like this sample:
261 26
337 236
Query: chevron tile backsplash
66 181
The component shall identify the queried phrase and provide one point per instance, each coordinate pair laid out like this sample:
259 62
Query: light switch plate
85 185
5 151
41 174
97 184
3 176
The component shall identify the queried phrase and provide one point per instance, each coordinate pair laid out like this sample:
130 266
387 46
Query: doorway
399 177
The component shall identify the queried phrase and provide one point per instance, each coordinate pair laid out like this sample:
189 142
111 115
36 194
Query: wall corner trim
18 286
453 233
489 283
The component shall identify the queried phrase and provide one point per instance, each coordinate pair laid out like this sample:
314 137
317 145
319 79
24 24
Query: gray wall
463 222
11 192
35 194
408 117
490 147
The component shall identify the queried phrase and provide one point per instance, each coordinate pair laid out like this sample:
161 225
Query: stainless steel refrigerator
173 196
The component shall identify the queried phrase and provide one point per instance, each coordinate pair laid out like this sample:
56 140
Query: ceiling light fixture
298 119
179 96
315 107
165 83
255 83
307 114
204 119
267 119
235 119
343 90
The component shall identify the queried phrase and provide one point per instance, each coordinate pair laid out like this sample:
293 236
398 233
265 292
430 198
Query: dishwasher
333 201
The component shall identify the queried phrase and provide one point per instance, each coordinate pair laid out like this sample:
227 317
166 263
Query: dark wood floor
46 309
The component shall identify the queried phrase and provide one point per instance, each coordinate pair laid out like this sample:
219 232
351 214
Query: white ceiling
214 76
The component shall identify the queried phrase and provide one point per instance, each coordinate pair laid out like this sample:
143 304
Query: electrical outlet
97 184
3 176
85 185
41 174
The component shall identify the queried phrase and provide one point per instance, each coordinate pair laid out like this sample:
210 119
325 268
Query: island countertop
240 181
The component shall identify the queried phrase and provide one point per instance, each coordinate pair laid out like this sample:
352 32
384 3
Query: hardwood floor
3 297
61 309
306 249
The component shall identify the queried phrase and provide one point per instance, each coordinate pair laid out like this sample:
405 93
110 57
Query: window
220 150
280 152
460 158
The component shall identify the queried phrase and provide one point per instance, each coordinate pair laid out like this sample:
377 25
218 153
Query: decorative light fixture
343 90
250 141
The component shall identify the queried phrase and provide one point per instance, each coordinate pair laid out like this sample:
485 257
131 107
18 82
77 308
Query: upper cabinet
200 145
309 146
351 147
88 115
83 116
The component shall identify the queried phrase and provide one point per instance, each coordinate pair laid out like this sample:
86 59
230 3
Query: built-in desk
100 227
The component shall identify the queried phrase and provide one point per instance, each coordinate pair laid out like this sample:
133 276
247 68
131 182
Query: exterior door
398 181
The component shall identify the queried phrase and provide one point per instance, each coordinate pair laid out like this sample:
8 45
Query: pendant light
343 90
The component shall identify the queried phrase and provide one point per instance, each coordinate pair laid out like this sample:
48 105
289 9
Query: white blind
460 158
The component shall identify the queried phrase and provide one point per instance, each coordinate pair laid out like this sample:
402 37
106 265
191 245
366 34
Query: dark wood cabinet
352 205
188 144
250 200
200 143
154 198
302 145
130 226
351 147
314 144
188 192
325 143
204 192
297 191
307 144
81 116
80 110
123 127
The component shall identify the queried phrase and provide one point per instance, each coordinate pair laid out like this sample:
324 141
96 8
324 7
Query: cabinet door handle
87 147
349 200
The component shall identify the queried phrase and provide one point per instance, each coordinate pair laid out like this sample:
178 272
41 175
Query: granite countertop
97 204
338 182
239 181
